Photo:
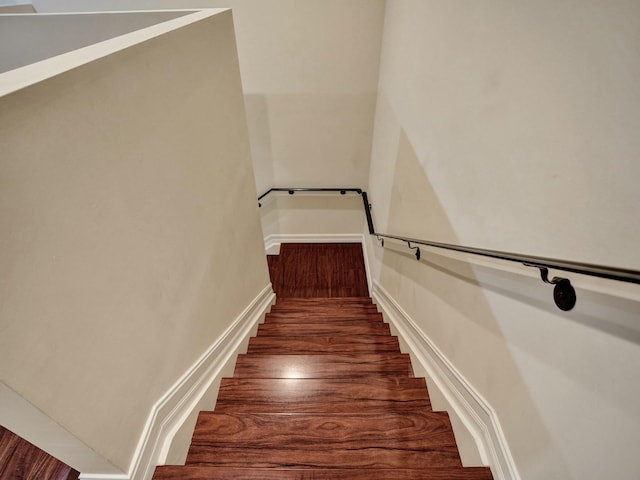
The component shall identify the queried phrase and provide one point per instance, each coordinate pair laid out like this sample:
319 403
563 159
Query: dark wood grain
355 327
21 460
198 472
310 301
353 395
314 344
320 270
311 317
388 440
322 392
326 307
275 272
322 366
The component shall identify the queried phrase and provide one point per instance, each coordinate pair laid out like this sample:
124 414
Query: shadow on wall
257 110
455 314
312 140
304 214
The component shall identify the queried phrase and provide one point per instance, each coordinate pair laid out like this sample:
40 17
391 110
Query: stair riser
363 458
336 323
310 305
358 440
320 396
224 473
357 327
325 311
322 366
321 344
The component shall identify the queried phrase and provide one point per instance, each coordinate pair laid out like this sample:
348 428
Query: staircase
323 392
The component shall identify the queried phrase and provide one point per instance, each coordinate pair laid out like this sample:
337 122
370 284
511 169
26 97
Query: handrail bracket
417 249
564 295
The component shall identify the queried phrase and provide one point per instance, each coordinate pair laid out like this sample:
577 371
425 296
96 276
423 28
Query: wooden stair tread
326 309
332 307
304 317
303 431
347 308
323 392
336 323
324 299
322 366
356 327
310 344
198 472
335 302
391 440
351 395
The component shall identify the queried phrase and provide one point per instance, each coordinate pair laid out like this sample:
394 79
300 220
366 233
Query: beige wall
12 7
310 75
514 126
129 229
309 72
27 39
312 214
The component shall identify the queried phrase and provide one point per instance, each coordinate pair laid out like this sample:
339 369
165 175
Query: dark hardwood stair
313 395
196 472
342 319
323 393
390 440
355 327
322 366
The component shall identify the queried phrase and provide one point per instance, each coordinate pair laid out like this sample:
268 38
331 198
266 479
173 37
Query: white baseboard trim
272 242
171 411
474 411
365 254
102 476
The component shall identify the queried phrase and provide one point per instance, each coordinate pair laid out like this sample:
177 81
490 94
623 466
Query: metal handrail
564 293
291 191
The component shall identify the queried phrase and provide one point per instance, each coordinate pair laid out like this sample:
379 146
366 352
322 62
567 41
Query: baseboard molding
102 476
170 412
475 412
365 254
272 242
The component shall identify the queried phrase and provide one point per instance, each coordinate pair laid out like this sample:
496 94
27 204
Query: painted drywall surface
310 76
26 39
127 194
54 6
309 72
16 8
19 415
512 126
304 214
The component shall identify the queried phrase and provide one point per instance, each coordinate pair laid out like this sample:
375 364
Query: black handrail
564 293
291 191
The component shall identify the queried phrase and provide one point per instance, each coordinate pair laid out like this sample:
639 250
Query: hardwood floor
21 460
323 393
319 270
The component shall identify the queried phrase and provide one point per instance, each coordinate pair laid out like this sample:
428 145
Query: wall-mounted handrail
564 293
291 191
